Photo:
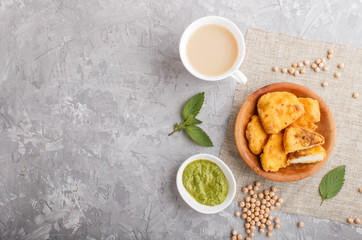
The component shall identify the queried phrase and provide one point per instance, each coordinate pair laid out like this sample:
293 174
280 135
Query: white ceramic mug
234 71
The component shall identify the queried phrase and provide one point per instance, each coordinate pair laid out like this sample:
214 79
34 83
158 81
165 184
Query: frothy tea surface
212 50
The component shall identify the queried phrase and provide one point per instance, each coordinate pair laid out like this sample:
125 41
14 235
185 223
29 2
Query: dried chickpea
291 70
275 69
239 237
277 220
233 238
302 71
313 65
280 200
247 238
261 216
257 203
337 75
350 220
270 217
283 70
248 213
271 208
269 234
267 198
300 224
294 65
357 221
270 227
318 61
262 226
277 204
244 216
241 204
306 62
325 68
267 210
261 230
261 195
253 200
245 209
247 205
247 225
268 204
251 192
251 234
253 205
330 56
340 65
330 51
234 232
252 228
276 226
257 209
258 223
324 84
271 194
256 213
248 231
263 220
360 190
268 222
266 215
252 223
300 64
252 216
245 190
263 201
317 69
262 212
255 188
262 207
255 196
247 199
257 183
249 187
355 95
237 214
275 197
272 201
324 60
248 219
321 65
296 73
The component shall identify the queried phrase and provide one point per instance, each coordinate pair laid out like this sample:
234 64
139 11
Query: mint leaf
199 136
190 119
196 122
193 105
332 183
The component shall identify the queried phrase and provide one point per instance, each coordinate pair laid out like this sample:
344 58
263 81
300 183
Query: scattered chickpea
251 192
248 219
244 216
237 214
258 223
330 56
325 68
257 183
294 65
233 238
271 208
302 71
267 210
245 190
251 234
262 226
234 232
357 221
291 70
360 190
350 220
318 61
247 238
268 222
270 227
330 51
255 188
249 187
252 228
300 224
269 234
277 226
321 65
239 237
270 217
280 200
296 73
263 220
247 199
247 225
355 95
283 70
324 60
275 69
317 69
248 231
324 84
277 204
241 204
306 62
268 204
261 230
277 220
340 65
275 198
337 75
313 65
300 64
266 215
271 194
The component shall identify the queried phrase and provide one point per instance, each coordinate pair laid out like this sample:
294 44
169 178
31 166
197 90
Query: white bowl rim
191 201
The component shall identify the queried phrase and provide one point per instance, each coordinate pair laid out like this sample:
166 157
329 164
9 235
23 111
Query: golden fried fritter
310 155
274 157
297 138
311 114
256 136
277 110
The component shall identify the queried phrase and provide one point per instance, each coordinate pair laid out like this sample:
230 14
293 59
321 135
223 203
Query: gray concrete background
89 91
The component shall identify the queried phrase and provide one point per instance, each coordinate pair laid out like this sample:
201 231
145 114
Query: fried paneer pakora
274 157
277 110
256 135
310 155
297 138
311 114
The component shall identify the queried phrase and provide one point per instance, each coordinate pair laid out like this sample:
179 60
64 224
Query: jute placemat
265 50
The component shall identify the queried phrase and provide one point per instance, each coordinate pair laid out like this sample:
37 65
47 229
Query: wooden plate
294 172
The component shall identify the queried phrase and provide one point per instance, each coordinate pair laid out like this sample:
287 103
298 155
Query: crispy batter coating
274 157
277 110
256 135
310 155
311 115
297 138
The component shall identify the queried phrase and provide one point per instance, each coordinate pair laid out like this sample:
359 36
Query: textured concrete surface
89 91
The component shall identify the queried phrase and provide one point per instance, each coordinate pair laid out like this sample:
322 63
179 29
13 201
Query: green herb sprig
189 122
332 183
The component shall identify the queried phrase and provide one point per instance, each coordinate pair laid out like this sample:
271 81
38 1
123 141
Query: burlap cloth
265 50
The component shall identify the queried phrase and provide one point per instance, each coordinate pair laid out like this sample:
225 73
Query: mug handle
239 77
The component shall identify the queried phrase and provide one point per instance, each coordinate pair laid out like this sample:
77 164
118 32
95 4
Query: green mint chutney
205 182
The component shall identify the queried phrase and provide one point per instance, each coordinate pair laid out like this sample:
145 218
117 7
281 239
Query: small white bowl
191 201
